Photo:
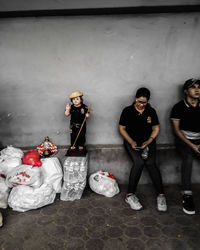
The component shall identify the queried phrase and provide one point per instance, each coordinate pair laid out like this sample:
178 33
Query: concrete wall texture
107 57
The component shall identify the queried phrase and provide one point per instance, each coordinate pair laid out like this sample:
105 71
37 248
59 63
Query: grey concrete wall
107 57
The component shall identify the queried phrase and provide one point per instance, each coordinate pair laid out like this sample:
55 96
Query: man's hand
196 148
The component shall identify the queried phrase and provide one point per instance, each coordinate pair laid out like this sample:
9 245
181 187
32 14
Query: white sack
52 172
101 183
9 164
4 192
24 198
11 151
25 175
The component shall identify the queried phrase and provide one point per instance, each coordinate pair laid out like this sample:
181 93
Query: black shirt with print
139 126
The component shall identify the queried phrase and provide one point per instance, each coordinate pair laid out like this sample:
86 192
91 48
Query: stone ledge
103 146
114 159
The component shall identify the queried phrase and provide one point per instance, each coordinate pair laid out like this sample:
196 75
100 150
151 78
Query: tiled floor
96 222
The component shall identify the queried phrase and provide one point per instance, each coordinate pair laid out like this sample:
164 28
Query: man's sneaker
161 203
133 201
188 204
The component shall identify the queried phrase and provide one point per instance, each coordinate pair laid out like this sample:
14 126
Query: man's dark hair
190 82
143 92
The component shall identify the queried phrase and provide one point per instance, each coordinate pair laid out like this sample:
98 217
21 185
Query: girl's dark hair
143 92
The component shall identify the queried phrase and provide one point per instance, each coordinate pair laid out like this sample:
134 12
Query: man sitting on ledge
186 123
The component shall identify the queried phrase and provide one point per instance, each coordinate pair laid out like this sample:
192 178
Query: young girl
78 111
139 126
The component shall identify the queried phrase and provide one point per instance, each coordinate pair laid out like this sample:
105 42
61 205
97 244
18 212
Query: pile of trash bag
26 181
30 182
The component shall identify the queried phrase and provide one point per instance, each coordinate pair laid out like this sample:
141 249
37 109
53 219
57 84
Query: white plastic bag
25 175
4 192
11 151
9 164
103 183
24 198
52 173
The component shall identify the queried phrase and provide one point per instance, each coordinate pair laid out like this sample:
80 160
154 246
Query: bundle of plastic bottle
74 178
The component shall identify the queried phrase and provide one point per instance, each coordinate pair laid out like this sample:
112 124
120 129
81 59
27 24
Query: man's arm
176 124
122 130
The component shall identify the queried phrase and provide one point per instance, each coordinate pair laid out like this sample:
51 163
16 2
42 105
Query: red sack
32 158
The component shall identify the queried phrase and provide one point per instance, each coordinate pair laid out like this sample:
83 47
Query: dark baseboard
101 11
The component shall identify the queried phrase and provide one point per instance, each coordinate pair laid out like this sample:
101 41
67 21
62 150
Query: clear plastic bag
103 183
74 177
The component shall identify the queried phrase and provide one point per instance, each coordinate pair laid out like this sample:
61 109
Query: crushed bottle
145 153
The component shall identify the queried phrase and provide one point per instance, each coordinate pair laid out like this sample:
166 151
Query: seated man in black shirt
186 123
139 127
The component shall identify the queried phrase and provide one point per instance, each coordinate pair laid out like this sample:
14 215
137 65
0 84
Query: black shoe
188 204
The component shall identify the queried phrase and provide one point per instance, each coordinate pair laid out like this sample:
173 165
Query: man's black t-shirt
188 115
139 126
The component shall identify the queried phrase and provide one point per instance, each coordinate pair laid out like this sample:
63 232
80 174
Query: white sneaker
133 201
161 203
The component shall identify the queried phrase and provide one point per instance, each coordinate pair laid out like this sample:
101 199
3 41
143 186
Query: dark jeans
187 155
138 165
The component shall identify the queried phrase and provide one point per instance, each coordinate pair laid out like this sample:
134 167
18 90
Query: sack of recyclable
52 173
32 158
24 198
103 183
25 175
10 152
4 192
8 164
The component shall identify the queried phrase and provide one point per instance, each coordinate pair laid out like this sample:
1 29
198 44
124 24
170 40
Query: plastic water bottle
145 153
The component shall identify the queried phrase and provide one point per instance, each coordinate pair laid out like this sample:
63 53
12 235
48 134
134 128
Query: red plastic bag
32 158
